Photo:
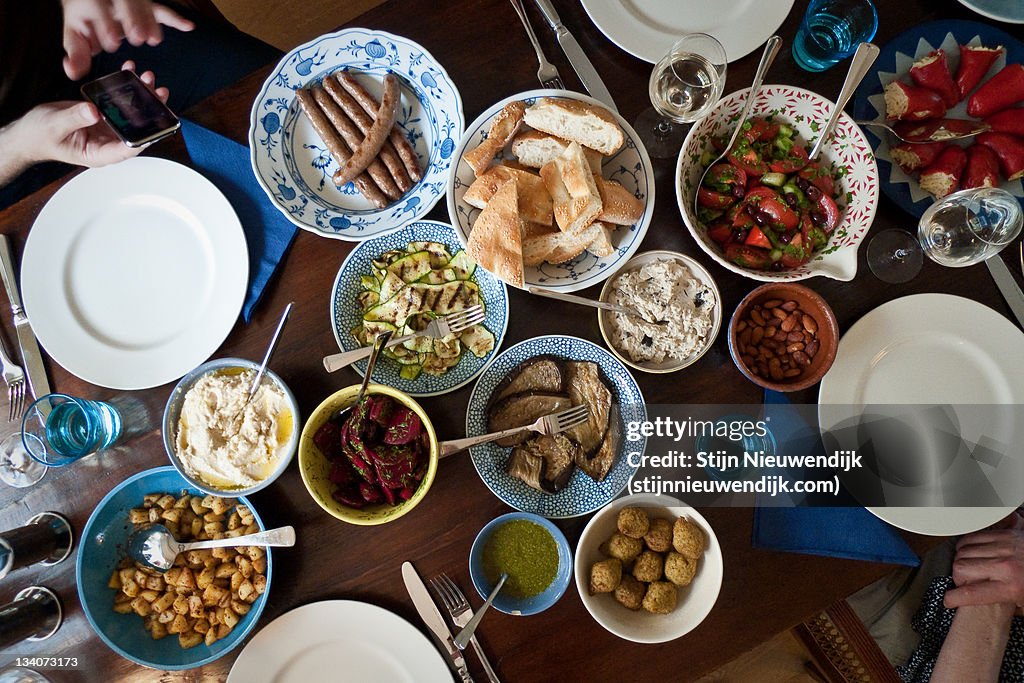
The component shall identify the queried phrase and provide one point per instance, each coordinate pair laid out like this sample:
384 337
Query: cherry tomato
769 201
748 257
745 157
796 253
724 176
818 176
791 163
720 233
757 238
828 208
713 200
761 130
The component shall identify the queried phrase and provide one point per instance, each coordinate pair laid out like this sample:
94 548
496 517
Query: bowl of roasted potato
195 612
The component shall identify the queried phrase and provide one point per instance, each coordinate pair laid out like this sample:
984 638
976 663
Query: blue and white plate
583 495
345 315
630 166
894 62
292 163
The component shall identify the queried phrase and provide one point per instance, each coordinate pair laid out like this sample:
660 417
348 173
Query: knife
31 359
577 57
427 610
1007 286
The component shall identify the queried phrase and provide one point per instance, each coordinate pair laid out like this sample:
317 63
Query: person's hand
988 569
92 26
73 132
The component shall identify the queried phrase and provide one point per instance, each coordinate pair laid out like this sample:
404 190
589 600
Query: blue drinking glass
732 450
831 31
58 429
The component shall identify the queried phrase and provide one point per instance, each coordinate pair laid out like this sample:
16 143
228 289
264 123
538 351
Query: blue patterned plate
583 495
631 166
345 311
292 163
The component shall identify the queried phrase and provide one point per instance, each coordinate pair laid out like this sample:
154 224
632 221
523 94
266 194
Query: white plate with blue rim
583 495
346 311
630 166
292 163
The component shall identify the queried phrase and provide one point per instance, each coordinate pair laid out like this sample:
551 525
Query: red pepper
1010 151
999 92
907 103
911 157
982 168
975 61
932 72
1007 121
942 176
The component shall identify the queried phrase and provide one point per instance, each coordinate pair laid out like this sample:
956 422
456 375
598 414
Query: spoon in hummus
156 547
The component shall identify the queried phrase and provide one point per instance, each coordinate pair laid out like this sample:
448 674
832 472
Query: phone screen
134 112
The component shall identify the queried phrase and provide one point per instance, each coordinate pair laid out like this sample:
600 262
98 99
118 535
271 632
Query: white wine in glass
684 86
969 226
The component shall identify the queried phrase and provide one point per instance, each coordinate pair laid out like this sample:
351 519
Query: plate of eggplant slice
568 474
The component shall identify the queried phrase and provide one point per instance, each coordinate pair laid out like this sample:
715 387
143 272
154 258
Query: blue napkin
268 233
847 532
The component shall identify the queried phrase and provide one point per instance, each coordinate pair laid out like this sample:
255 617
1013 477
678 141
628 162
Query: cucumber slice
463 265
773 179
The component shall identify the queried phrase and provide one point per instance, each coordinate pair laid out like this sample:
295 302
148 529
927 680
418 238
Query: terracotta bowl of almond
783 337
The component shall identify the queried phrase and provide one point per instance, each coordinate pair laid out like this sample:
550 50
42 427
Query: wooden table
483 48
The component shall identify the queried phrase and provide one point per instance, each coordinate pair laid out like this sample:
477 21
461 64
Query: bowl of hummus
222 442
678 312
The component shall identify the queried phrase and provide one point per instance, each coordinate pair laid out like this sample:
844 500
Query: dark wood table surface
484 49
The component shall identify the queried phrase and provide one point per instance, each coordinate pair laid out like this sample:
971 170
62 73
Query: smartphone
129 107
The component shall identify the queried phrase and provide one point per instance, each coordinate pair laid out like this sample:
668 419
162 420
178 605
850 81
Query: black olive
777 266
647 340
738 191
738 235
762 218
785 237
813 193
792 200
817 217
802 183
752 210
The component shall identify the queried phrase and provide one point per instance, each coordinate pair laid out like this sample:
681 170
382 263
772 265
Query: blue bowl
104 542
521 606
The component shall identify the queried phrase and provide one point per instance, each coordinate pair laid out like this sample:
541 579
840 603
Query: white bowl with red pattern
848 152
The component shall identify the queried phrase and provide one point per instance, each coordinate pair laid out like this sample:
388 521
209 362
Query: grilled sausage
369 105
367 151
336 146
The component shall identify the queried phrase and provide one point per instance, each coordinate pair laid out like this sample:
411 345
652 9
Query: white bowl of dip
221 448
690 329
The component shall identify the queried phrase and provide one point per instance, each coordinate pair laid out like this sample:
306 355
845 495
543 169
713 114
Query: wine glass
17 467
959 230
684 86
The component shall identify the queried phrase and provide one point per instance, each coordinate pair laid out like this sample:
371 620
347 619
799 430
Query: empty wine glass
684 86
17 467
959 230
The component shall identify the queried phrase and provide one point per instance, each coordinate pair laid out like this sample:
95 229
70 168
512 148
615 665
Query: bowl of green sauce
534 554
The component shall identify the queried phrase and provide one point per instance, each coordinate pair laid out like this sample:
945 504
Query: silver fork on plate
547 73
555 423
453 323
461 613
15 378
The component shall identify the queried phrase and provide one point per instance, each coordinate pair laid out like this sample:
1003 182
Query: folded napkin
849 532
268 233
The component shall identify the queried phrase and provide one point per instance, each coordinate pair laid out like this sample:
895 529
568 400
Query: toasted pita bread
534 200
495 242
504 126
618 205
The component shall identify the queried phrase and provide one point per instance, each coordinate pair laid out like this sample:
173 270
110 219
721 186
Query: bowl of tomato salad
766 211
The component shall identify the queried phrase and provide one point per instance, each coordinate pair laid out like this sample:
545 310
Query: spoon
859 65
606 305
379 342
771 48
270 351
465 634
155 547
923 132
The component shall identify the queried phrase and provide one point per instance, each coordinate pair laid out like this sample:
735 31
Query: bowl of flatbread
551 189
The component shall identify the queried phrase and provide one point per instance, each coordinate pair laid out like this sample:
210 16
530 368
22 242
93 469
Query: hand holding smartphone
131 109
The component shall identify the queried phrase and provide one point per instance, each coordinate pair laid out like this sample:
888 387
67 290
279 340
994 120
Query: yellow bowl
315 467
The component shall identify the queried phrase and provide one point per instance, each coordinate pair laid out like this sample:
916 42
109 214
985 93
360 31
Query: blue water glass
58 429
726 447
831 31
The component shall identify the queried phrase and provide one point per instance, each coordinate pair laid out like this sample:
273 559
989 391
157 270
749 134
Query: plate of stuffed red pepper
950 71
766 211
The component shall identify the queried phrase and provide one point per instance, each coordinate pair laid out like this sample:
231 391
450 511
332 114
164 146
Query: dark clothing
933 621
193 65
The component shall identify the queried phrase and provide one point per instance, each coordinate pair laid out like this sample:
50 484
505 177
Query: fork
15 378
555 423
547 73
461 613
453 323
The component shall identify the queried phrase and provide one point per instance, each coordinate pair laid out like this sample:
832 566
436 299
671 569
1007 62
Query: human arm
92 26
973 649
71 132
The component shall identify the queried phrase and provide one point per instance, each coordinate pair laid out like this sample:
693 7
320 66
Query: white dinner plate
339 640
934 349
648 28
1010 11
133 274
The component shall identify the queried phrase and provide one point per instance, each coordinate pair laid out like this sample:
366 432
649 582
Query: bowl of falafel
648 568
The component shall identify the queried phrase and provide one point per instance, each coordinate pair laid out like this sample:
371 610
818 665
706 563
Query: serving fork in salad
453 323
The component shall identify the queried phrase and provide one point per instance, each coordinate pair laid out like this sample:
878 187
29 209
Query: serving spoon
594 303
862 60
379 342
924 132
462 639
156 547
